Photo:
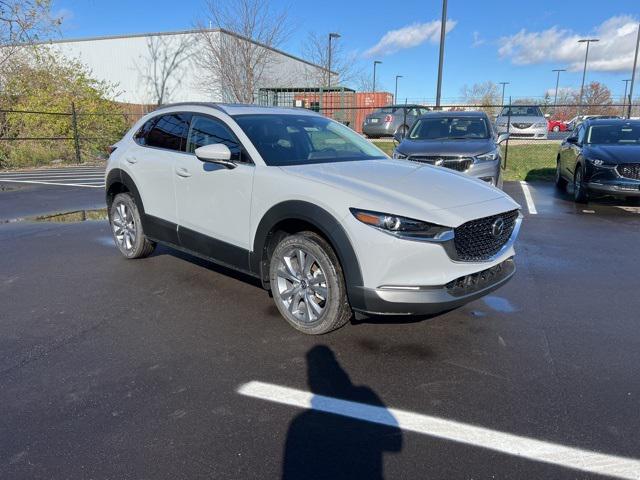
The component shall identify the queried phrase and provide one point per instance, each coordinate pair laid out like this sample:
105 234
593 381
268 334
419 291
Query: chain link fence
35 138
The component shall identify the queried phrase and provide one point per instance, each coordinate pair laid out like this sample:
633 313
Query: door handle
131 160
183 172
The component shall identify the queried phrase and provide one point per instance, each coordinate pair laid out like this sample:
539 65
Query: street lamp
624 98
555 97
633 73
375 64
331 36
395 95
584 71
503 85
443 33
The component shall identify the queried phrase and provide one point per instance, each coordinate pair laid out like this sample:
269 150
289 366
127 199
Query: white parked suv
327 222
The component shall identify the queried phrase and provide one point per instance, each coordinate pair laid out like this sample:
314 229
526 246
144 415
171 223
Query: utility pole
633 74
443 33
503 85
584 71
555 97
395 95
624 97
331 36
375 64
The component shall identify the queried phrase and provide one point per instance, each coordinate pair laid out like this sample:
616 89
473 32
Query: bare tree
316 50
597 100
161 68
237 59
485 95
24 22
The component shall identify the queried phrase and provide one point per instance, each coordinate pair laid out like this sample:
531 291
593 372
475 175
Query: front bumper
539 133
618 188
430 300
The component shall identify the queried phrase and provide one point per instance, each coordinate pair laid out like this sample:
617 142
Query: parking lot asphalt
132 369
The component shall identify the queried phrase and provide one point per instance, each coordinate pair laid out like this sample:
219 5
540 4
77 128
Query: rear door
214 202
151 165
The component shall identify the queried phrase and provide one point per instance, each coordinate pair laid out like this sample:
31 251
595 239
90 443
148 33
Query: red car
557 126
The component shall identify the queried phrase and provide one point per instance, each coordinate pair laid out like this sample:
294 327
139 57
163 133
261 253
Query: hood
401 187
455 148
523 119
613 153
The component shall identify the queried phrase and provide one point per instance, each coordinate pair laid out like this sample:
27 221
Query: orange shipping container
366 103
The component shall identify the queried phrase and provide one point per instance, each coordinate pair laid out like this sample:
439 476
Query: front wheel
307 284
580 194
561 183
126 228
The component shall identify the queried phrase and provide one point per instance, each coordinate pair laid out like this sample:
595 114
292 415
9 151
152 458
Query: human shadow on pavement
322 445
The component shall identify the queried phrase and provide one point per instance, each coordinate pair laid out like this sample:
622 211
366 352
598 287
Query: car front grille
630 170
475 282
522 126
461 164
479 240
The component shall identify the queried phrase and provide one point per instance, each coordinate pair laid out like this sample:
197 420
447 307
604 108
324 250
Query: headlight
404 227
489 156
600 163
539 124
398 155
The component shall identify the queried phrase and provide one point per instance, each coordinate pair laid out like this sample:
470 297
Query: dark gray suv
391 120
462 141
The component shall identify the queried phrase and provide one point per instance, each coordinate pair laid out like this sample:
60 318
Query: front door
214 202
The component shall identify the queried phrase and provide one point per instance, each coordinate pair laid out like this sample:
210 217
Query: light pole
395 95
633 74
584 71
624 97
375 64
503 85
555 97
331 36
443 32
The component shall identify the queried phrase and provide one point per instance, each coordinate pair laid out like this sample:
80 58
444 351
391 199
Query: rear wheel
561 183
580 194
126 228
307 284
556 128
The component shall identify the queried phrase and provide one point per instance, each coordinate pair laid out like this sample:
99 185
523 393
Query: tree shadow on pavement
323 445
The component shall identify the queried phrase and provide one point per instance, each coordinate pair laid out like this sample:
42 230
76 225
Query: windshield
304 139
521 111
449 128
614 134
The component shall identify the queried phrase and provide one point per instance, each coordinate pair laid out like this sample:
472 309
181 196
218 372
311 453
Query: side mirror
398 137
503 137
215 153
572 140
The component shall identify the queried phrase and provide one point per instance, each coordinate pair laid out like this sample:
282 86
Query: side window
169 132
581 131
141 135
207 130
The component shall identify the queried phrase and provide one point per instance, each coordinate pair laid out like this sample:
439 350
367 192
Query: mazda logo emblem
497 227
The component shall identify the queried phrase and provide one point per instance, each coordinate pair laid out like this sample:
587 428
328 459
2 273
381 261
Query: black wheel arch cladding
325 222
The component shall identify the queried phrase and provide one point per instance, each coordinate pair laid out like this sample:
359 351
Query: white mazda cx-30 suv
325 220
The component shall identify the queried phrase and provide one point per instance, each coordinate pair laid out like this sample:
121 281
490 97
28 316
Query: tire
580 194
310 305
556 128
561 182
126 228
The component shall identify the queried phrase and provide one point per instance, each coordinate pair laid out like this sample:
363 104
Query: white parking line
529 199
100 185
536 450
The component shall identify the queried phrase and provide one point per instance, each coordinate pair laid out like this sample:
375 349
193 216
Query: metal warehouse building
127 62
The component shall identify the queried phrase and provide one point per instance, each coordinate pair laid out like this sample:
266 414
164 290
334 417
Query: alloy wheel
301 285
124 227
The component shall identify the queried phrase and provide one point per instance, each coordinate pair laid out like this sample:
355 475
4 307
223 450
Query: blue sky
495 40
